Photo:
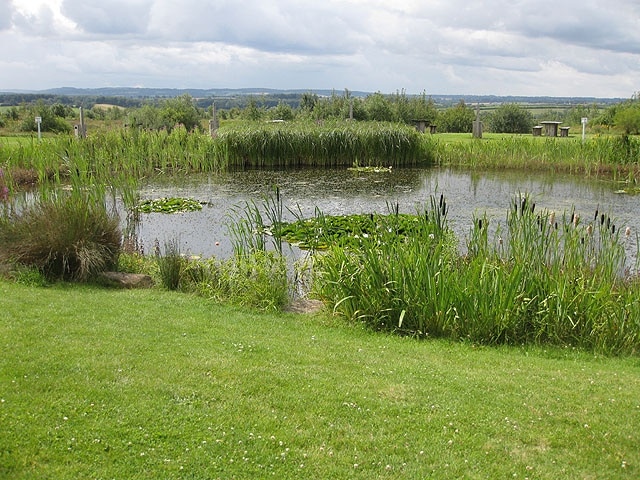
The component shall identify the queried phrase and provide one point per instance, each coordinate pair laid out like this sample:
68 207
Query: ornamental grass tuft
70 236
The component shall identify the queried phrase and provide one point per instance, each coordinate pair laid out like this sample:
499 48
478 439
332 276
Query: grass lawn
98 383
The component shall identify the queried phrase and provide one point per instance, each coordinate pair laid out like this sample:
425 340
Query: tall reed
543 279
617 155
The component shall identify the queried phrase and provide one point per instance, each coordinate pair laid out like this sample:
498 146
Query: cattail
595 217
602 219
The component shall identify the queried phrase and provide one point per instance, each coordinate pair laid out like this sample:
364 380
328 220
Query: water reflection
343 192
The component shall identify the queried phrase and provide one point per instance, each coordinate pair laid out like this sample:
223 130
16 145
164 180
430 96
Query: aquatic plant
168 205
544 279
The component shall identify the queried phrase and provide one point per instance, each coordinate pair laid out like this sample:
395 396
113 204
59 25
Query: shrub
68 237
511 118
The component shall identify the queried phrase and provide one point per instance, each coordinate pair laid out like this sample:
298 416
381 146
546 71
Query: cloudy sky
493 47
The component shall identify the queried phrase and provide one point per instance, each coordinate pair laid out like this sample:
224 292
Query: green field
98 383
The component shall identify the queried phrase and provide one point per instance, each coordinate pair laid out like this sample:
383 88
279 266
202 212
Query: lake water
344 192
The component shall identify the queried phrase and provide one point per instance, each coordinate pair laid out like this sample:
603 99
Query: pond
343 191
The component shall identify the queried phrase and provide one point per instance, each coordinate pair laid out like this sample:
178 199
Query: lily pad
169 205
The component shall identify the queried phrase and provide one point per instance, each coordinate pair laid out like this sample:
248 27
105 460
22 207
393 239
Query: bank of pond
563 278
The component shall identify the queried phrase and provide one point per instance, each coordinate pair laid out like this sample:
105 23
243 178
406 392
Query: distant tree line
166 113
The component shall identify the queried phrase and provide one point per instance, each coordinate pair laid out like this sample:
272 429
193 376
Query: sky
566 48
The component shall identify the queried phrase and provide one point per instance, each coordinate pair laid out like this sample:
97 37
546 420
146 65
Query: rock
126 280
305 305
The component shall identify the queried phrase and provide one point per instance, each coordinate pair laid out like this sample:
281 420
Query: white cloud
502 47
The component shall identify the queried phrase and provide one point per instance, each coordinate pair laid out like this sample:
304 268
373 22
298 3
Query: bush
69 237
511 118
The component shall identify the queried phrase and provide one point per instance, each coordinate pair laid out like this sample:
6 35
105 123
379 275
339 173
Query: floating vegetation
322 231
169 205
370 169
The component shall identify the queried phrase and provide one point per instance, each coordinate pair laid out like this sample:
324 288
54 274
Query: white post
584 125
39 121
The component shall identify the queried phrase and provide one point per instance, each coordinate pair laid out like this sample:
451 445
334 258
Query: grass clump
256 280
171 264
66 236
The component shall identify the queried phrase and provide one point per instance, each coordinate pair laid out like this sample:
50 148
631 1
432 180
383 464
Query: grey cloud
109 16
612 25
269 26
6 12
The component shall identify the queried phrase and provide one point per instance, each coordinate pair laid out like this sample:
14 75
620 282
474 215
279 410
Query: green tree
379 108
511 118
628 119
147 117
252 111
308 102
423 108
50 121
458 119
282 111
181 110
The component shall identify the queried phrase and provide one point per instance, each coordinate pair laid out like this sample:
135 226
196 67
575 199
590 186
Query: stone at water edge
126 280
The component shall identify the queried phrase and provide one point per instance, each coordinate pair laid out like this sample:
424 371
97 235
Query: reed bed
617 155
328 144
543 279
133 154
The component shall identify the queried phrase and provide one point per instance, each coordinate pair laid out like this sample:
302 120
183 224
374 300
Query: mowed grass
98 383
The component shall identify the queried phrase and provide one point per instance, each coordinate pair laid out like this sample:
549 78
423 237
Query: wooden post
213 123
82 130
477 124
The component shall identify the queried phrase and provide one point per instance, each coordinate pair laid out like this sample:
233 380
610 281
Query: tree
511 118
282 111
628 119
252 111
181 110
379 108
458 119
50 121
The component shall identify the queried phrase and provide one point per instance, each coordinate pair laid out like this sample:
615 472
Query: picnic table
550 128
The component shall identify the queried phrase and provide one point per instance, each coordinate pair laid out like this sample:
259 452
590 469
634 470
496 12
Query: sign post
39 121
584 126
